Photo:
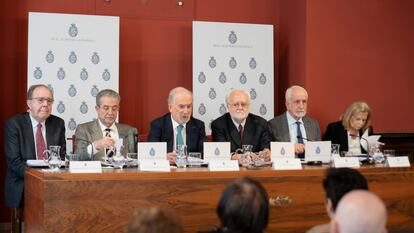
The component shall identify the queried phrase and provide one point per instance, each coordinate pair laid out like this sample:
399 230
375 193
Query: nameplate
154 165
286 164
401 161
351 162
223 165
85 167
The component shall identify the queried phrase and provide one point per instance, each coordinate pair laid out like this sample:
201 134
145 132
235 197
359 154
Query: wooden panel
104 202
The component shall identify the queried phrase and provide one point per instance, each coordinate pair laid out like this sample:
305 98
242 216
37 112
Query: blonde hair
355 108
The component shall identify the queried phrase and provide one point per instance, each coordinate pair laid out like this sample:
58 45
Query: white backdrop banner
232 55
76 56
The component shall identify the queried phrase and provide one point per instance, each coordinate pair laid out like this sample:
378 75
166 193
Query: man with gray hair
294 125
360 211
99 136
178 127
239 126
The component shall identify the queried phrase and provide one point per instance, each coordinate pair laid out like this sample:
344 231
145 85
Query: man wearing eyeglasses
27 135
239 126
97 138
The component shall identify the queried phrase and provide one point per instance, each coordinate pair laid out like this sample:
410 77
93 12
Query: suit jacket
337 134
255 132
20 146
280 129
89 132
161 130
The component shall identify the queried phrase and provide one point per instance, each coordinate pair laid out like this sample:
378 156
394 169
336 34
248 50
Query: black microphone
299 137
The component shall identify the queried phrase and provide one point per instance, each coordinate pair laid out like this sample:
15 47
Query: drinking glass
53 159
69 158
181 158
194 159
389 152
132 159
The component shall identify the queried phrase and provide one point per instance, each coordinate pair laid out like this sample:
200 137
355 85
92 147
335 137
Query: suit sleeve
16 163
218 132
318 131
265 137
132 138
81 145
155 132
62 139
202 137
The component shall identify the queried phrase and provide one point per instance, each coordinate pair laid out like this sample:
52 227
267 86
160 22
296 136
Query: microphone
299 137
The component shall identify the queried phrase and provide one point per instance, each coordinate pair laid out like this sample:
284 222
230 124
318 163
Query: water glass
194 159
181 158
69 158
53 159
389 152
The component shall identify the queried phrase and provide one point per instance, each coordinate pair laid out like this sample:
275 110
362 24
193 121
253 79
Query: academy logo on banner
231 55
76 57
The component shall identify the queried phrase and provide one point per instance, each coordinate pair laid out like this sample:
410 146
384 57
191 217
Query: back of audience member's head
244 207
360 211
340 181
154 220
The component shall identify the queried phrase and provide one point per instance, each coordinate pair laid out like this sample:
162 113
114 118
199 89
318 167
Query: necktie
299 137
108 134
180 135
299 132
40 143
241 131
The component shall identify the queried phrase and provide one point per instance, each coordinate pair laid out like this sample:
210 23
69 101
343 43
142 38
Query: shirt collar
103 127
291 120
35 122
175 124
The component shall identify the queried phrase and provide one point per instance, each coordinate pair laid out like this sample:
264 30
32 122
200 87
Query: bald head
360 211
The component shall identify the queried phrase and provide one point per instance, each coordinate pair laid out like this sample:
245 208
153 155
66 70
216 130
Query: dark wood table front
66 202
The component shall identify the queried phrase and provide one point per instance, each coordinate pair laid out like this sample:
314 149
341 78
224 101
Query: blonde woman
347 133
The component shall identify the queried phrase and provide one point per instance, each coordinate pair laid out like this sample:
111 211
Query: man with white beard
240 127
294 125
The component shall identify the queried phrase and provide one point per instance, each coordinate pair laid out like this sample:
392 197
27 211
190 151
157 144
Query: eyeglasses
106 108
235 105
40 100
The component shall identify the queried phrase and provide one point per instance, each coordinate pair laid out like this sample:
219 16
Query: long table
66 202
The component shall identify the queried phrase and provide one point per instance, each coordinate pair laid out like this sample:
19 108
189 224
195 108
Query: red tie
40 143
241 132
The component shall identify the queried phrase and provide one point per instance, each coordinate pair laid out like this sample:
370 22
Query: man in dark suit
178 126
294 125
239 126
95 137
27 135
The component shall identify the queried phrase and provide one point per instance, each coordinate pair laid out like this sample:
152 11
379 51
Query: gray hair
238 90
288 94
33 88
175 91
109 93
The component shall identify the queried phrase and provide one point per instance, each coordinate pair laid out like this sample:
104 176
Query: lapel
121 132
285 129
234 132
189 132
50 139
248 131
168 135
307 126
28 130
96 131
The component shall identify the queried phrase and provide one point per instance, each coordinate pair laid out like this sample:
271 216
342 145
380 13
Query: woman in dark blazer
347 133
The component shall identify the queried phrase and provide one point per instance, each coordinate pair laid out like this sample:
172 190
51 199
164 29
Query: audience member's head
238 104
244 207
357 116
296 101
360 211
154 220
340 181
180 104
